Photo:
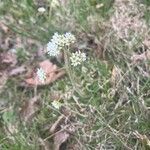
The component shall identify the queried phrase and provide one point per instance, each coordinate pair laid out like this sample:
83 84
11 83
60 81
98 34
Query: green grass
107 113
27 21
147 10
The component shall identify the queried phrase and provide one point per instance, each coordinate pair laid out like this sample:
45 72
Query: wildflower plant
77 58
58 42
41 75
61 43
52 49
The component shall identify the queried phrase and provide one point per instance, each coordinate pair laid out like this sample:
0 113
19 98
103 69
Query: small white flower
83 56
13 50
52 49
56 38
56 104
63 40
41 9
41 75
77 58
70 38
54 3
58 42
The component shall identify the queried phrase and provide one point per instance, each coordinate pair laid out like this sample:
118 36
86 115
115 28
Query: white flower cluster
41 9
52 49
58 42
41 75
56 104
77 58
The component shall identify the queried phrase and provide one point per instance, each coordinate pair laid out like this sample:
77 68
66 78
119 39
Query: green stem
70 74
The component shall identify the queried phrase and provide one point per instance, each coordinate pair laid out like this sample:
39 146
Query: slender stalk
71 75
